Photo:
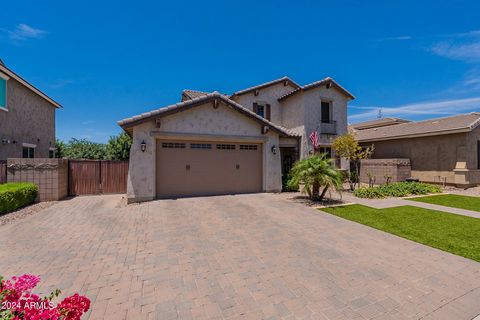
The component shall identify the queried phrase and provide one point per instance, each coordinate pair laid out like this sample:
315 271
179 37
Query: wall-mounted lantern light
274 149
143 146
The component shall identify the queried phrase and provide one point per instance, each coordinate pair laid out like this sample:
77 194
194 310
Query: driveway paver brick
234 257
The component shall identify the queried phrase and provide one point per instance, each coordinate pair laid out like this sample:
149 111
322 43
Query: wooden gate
97 177
3 172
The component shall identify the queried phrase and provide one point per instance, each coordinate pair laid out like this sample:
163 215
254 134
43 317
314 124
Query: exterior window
200 146
28 152
261 111
248 147
326 150
173 145
226 146
3 93
51 153
326 116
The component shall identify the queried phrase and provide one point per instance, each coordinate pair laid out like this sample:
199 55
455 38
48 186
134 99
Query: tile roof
383 122
297 131
266 84
315 84
192 94
11 74
185 105
439 126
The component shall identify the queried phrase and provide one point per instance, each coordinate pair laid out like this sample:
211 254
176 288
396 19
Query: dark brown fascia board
265 85
27 84
128 123
318 84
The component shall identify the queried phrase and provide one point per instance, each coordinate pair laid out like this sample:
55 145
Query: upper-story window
3 92
326 112
262 109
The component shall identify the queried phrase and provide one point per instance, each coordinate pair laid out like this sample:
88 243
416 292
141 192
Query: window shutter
255 108
267 112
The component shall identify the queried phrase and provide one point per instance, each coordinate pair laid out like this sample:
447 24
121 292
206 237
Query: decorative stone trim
27 166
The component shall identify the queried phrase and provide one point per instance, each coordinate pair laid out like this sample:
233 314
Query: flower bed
399 189
18 302
16 195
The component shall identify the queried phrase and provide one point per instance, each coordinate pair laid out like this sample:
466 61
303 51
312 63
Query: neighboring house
211 143
27 119
440 150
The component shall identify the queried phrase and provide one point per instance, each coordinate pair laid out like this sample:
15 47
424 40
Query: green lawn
452 200
445 231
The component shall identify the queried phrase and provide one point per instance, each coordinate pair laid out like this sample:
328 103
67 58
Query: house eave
417 135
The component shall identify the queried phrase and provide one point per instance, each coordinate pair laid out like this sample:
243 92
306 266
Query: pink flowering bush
19 303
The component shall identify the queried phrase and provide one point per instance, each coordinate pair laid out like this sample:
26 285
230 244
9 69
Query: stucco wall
432 158
305 109
29 119
471 149
268 95
202 122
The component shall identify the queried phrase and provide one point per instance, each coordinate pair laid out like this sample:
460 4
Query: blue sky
107 60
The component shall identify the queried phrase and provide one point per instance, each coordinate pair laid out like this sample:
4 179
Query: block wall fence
50 175
397 169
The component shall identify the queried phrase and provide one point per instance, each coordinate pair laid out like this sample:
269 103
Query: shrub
16 195
314 172
19 302
399 189
286 187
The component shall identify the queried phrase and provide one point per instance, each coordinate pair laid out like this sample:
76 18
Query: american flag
314 139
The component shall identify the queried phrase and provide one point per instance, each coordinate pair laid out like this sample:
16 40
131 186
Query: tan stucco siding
305 109
293 111
202 122
430 157
29 119
268 95
472 149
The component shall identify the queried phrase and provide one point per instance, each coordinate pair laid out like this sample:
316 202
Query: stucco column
272 167
141 173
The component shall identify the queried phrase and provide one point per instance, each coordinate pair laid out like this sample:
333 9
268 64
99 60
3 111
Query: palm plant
313 173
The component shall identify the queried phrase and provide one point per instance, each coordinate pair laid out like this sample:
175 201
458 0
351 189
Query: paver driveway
249 256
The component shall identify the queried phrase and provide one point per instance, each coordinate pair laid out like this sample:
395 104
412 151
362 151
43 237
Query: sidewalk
396 202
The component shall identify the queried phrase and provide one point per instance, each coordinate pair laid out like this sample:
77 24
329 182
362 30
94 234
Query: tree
314 172
346 146
118 147
60 147
84 149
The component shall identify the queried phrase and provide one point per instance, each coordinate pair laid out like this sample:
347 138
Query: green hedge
399 189
16 195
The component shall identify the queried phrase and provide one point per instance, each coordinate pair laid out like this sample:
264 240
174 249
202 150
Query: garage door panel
207 168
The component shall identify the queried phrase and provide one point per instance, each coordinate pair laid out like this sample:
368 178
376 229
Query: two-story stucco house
27 119
211 143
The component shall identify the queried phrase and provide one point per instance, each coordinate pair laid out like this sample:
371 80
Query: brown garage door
191 168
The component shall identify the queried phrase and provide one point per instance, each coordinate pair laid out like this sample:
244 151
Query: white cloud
61 83
444 107
24 32
459 46
469 52
399 38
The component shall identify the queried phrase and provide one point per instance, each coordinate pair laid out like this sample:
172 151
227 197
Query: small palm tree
315 172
